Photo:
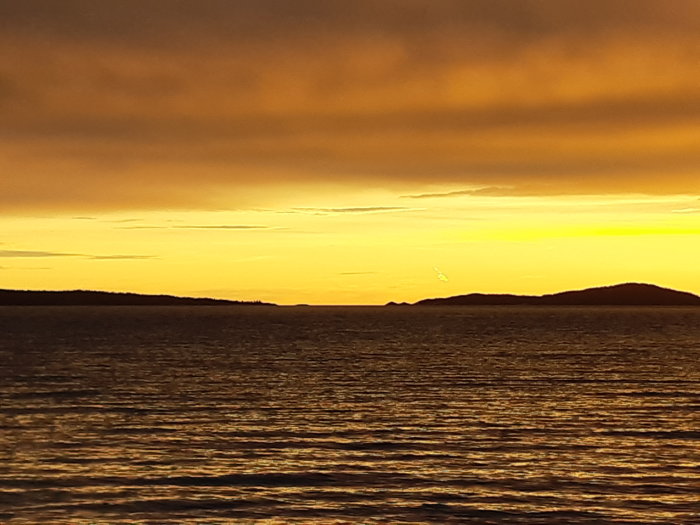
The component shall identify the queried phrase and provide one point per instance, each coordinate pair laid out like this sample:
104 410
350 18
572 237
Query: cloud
126 104
142 227
462 193
199 227
221 227
357 273
23 268
33 253
25 254
116 257
154 23
360 209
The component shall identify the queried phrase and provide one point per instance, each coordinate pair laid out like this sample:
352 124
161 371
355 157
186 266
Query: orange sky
339 152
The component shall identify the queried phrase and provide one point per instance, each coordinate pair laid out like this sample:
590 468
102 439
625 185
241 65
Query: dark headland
92 298
627 294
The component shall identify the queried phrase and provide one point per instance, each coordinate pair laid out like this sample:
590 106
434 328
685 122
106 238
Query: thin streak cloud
120 257
199 227
29 254
361 209
461 193
20 254
221 227
24 268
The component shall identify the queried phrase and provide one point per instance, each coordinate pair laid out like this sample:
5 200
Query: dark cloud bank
148 104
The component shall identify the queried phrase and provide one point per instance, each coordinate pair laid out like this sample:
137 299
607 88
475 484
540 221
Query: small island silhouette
95 298
630 294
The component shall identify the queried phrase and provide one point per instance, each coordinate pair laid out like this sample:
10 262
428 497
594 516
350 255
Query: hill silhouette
94 298
620 294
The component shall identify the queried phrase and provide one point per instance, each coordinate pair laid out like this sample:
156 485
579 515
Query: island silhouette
629 294
96 298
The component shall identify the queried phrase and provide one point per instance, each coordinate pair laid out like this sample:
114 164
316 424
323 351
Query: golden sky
340 152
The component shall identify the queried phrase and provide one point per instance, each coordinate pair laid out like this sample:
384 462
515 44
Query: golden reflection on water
350 416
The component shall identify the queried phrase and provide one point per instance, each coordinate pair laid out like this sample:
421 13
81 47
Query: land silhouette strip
95 298
626 294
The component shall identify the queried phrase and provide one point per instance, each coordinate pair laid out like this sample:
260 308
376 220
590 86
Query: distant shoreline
97 298
626 294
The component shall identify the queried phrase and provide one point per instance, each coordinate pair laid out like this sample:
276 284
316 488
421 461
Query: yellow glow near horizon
370 254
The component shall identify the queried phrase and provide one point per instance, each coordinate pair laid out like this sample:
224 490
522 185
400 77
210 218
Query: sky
332 152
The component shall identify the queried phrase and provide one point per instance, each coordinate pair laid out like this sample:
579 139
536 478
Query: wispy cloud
29 254
142 227
358 209
686 210
35 253
2 268
220 227
199 227
120 256
494 191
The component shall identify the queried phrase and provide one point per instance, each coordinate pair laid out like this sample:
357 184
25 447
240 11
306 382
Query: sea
349 415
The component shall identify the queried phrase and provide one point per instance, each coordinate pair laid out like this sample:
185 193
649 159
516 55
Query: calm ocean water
217 415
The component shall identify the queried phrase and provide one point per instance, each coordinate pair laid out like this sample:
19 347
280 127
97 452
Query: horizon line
304 304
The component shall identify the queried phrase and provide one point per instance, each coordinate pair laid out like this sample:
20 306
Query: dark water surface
216 415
